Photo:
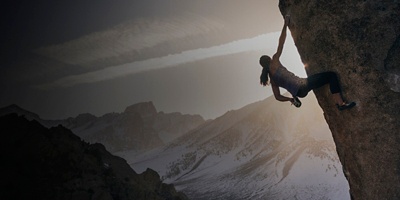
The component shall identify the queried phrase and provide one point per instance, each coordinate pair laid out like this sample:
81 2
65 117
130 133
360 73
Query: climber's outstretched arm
277 94
282 39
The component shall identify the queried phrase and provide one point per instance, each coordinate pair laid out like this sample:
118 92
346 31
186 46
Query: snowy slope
266 150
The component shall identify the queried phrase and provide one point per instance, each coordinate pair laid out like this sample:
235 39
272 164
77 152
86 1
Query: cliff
360 41
42 163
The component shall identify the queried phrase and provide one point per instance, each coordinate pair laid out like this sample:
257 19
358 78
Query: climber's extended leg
318 80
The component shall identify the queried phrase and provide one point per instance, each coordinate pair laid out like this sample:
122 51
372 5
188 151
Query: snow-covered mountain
266 150
139 128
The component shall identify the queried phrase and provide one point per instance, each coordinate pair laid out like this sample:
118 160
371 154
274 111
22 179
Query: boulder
360 41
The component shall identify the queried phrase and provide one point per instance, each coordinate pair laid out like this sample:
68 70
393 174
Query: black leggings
318 80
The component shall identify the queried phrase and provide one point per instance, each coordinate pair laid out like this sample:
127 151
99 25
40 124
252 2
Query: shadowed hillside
41 163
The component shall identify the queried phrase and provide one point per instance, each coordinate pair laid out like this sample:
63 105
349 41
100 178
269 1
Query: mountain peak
144 109
14 108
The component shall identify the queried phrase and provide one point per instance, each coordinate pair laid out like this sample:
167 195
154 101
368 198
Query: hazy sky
63 58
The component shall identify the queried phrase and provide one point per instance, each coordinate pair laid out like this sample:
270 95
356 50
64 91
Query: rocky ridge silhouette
139 128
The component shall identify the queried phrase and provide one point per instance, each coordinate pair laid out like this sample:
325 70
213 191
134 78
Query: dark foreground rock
360 41
42 163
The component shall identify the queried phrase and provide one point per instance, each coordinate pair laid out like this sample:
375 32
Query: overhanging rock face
360 41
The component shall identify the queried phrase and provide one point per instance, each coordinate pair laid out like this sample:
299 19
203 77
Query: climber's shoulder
276 57
275 63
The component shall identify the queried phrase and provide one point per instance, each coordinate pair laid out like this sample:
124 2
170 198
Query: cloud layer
245 45
130 37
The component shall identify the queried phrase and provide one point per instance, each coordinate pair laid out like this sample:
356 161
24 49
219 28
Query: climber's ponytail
264 77
264 62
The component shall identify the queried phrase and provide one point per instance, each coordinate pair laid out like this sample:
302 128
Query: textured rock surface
42 163
360 41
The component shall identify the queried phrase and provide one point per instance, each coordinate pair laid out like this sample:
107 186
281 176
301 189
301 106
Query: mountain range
140 127
265 150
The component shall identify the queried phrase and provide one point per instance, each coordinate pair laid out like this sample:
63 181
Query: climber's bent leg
318 80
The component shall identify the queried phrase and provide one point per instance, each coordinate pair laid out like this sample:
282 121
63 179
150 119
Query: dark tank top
286 79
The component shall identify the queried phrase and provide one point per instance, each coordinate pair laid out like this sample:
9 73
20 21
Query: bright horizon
264 43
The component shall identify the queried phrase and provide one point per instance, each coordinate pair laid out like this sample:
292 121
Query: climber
298 87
